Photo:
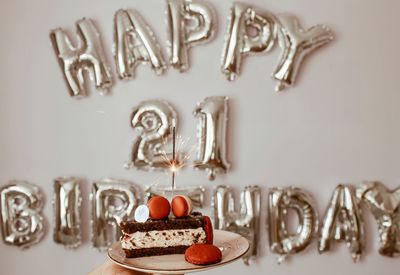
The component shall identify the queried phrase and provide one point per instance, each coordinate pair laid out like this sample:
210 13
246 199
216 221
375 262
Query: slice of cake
162 237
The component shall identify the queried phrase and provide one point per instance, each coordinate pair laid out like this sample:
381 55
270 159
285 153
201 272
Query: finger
109 268
114 269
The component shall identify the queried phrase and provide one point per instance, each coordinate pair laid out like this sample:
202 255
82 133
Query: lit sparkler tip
173 168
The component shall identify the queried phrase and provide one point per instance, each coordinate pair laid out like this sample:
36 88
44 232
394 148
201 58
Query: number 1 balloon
213 114
296 44
239 43
22 223
189 23
88 55
385 207
135 43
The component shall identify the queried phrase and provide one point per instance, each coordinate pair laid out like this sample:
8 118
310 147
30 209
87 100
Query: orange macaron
209 230
203 254
159 207
181 206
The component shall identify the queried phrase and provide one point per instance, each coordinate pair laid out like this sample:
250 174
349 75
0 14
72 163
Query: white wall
338 124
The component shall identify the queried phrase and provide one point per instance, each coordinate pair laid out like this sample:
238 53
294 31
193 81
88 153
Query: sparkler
178 158
173 163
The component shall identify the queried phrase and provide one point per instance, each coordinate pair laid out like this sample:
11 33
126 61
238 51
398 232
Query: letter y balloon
296 44
385 206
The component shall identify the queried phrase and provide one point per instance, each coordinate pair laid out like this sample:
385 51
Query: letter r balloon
113 201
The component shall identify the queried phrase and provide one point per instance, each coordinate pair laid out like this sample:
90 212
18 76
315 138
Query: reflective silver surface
384 205
113 201
135 43
245 222
88 55
22 222
154 119
281 241
343 222
190 23
238 42
296 43
67 212
212 130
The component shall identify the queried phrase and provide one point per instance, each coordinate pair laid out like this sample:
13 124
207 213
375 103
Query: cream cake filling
163 238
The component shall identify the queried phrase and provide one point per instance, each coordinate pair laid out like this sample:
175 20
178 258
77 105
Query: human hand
109 268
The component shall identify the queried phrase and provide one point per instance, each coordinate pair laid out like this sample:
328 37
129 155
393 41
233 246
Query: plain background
338 124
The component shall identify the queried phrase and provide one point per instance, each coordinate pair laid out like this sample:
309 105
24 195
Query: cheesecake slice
162 237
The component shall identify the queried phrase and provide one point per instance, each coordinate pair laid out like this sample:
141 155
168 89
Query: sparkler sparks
179 157
174 168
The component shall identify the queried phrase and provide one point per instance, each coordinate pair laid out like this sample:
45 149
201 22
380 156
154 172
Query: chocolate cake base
164 237
193 221
155 251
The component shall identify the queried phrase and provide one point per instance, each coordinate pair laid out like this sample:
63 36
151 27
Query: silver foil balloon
134 44
195 193
190 23
281 241
22 223
239 42
67 212
154 119
113 201
212 127
245 222
296 44
343 222
87 55
384 205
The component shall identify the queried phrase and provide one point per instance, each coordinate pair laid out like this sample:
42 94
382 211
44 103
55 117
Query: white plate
232 246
